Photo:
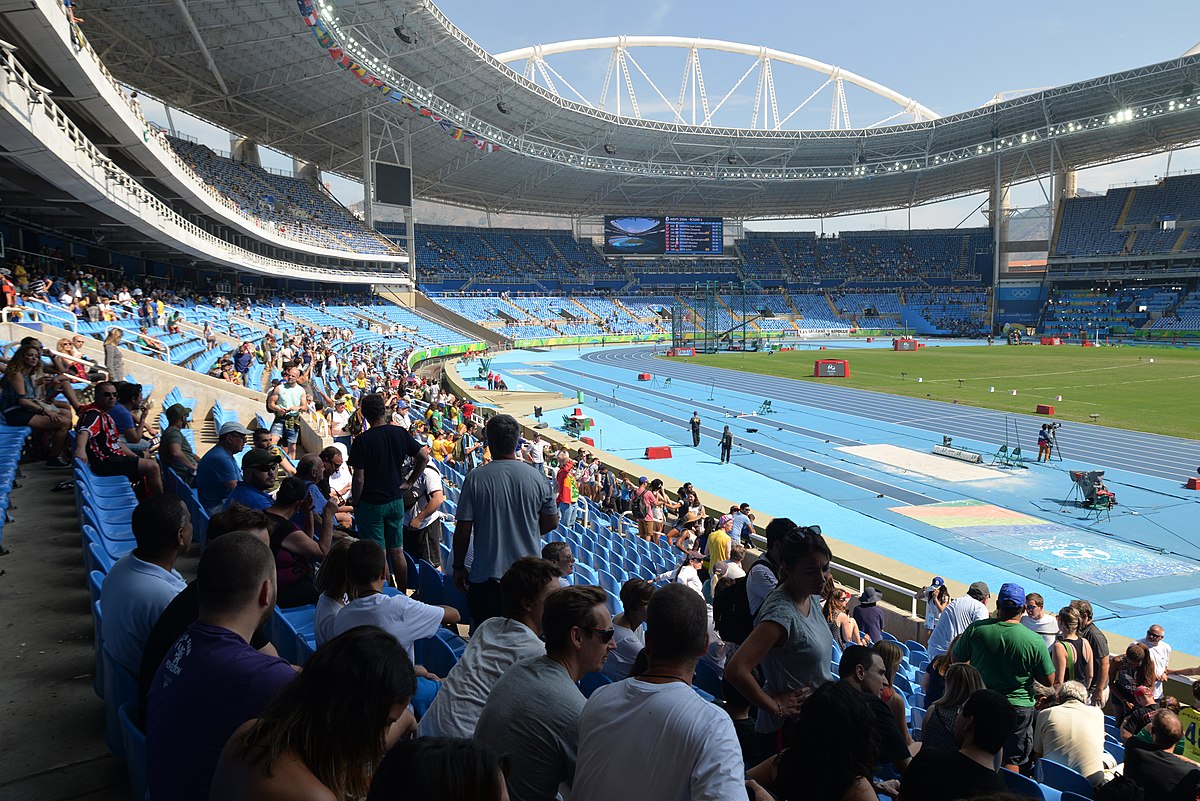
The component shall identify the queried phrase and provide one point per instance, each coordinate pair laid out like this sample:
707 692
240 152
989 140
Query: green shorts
381 522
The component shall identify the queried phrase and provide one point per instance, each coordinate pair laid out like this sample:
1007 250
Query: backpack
638 506
731 612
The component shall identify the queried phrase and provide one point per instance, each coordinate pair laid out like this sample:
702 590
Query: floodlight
502 107
609 149
404 34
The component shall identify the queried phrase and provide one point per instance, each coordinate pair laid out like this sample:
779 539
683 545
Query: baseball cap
177 411
260 457
643 480
724 519
979 591
1142 692
695 556
233 427
1011 595
938 581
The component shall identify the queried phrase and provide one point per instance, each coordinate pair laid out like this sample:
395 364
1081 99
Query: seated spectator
440 769
334 586
497 644
1038 621
982 728
842 626
217 472
98 441
1135 670
212 681
532 713
184 608
869 616
297 549
335 485
687 574
24 402
258 474
863 669
937 732
312 743
311 470
264 440
1142 713
1160 773
1072 733
892 657
404 618
656 719
630 628
130 402
174 449
559 554
143 582
828 754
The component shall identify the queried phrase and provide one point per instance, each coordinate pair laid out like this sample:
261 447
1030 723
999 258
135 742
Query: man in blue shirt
143 583
258 474
129 401
218 471
743 526
212 680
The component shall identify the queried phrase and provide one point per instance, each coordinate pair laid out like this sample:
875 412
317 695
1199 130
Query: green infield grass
1121 385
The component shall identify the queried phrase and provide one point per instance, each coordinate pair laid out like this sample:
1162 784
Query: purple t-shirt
870 621
209 684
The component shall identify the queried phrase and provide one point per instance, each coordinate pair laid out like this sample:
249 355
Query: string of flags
326 40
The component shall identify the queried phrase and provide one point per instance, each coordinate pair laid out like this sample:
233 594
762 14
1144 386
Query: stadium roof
264 71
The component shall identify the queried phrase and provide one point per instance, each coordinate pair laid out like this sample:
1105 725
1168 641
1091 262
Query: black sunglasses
605 635
801 533
107 394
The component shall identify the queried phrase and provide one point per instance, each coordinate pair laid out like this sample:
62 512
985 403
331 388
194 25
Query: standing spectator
1010 658
970 771
338 419
243 361
869 616
423 520
114 361
175 451
504 508
287 401
960 613
1071 654
217 472
1089 630
212 680
1154 767
496 645
719 543
380 480
99 443
656 719
937 598
567 492
763 575
743 526
322 743
1160 653
143 582
1072 733
790 640
694 424
532 713
726 445
1037 621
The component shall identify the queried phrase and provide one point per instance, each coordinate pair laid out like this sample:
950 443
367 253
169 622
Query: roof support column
244 150
998 209
368 177
410 227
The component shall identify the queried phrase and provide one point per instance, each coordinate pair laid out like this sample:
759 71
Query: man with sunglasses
258 474
98 441
1160 652
532 714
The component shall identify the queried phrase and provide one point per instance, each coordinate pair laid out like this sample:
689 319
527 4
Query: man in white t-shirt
1037 621
402 617
535 452
960 613
657 719
497 644
423 521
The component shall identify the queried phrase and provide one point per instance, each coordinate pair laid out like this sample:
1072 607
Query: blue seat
914 647
1062 778
134 741
120 688
613 603
1023 785
890 638
708 679
429 585
585 575
452 597
592 682
609 582
293 633
95 584
1116 750
439 655
901 683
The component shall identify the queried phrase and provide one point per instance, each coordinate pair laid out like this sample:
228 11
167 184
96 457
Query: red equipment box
659 452
1044 408
644 376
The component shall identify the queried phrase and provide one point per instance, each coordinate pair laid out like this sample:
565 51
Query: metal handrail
870 579
37 316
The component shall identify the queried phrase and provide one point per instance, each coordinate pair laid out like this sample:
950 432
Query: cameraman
1045 442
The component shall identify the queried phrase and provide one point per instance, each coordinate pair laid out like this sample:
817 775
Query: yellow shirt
442 448
719 544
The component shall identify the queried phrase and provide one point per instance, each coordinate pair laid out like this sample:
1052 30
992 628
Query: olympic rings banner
326 40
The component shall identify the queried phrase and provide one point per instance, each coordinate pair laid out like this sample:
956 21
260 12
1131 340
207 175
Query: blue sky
948 56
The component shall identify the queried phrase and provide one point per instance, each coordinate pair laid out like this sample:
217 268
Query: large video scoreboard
626 235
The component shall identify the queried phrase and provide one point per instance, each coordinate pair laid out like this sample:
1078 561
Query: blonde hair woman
114 362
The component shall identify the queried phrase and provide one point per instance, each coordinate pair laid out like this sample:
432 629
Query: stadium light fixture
502 107
404 33
609 149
